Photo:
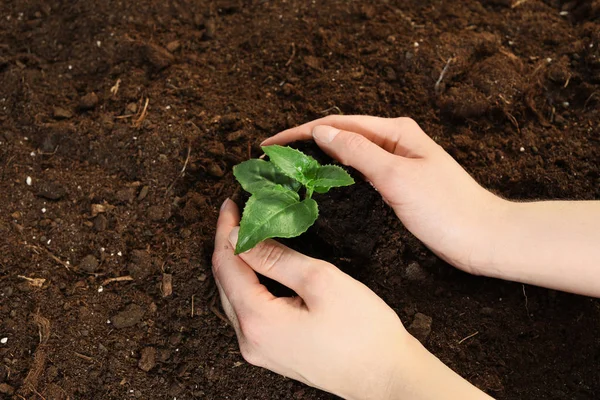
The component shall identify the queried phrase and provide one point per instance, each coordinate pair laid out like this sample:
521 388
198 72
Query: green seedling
275 209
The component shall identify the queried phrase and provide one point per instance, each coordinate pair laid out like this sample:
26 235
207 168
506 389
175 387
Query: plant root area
121 122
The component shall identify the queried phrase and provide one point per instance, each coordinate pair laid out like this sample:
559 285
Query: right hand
434 197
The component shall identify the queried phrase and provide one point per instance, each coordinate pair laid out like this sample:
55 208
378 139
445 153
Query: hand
434 197
337 336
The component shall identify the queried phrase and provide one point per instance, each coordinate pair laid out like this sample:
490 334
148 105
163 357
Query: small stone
89 101
140 266
147 359
389 74
167 285
100 223
51 191
487 311
143 193
215 149
420 327
132 108
202 277
158 213
210 29
157 56
5 388
236 135
215 170
125 195
288 89
414 272
174 46
129 317
61 113
89 263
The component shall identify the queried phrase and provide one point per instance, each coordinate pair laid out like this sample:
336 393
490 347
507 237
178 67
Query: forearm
426 378
554 244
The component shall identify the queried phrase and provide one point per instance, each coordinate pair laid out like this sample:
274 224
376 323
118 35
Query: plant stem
309 192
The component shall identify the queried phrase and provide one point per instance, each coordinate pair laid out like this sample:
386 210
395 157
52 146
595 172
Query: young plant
275 208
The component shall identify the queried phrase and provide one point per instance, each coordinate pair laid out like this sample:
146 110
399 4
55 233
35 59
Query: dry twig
138 122
442 74
117 279
182 173
468 337
287 64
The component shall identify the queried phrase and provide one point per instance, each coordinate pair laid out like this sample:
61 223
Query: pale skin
338 335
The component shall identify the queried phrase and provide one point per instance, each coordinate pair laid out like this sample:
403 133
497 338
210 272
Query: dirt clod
420 328
158 213
61 113
157 56
89 263
51 190
130 316
141 265
5 388
88 102
100 223
147 359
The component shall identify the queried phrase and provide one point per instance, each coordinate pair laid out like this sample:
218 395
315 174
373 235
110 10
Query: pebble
414 272
147 359
125 195
215 170
61 113
143 193
51 191
140 266
487 311
28 181
100 223
89 101
130 316
89 263
157 56
420 327
211 27
174 46
5 388
158 213
4 340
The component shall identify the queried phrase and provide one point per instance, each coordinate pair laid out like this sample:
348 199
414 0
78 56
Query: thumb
356 151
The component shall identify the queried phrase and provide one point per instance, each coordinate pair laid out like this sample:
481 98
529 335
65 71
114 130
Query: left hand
337 336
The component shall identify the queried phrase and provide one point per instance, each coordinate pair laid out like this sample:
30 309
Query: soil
104 104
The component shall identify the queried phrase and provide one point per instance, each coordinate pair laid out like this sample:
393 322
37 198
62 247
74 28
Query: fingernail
233 236
224 204
324 133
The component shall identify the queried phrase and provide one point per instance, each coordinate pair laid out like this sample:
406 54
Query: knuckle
250 328
355 142
269 255
318 277
250 354
407 123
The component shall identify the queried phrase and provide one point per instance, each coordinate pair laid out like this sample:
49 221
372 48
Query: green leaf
255 175
293 163
330 176
274 213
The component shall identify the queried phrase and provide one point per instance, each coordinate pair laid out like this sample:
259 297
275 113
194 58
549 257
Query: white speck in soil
29 181
4 340
44 210
522 149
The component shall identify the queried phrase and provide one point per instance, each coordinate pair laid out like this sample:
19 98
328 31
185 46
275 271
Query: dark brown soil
519 107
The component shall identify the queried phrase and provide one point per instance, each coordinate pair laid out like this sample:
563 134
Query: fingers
238 281
401 136
355 150
304 275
